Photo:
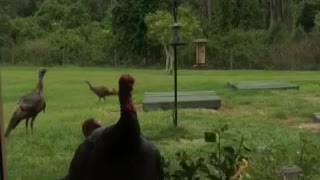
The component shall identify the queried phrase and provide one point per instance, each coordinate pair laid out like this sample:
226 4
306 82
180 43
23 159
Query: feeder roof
291 169
200 41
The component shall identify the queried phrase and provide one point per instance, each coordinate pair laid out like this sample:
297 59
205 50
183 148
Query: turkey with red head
120 151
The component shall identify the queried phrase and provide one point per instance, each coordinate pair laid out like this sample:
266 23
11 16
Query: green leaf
200 161
210 137
247 148
214 157
204 168
184 165
229 149
225 128
213 177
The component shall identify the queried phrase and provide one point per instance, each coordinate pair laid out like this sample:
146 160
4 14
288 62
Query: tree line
242 34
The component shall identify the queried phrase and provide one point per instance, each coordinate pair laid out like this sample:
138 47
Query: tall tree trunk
13 51
167 57
280 13
275 12
63 57
210 11
171 61
231 59
272 14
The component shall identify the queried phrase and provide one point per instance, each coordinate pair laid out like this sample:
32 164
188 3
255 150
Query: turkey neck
39 86
90 86
128 120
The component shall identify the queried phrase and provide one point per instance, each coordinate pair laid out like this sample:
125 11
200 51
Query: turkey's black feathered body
117 152
107 154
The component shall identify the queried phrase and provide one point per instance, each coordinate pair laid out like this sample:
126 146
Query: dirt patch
313 99
192 141
291 120
313 127
139 107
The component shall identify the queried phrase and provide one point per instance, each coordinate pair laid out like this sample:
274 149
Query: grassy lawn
265 118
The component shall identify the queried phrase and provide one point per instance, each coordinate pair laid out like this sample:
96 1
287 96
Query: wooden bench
316 117
192 100
261 85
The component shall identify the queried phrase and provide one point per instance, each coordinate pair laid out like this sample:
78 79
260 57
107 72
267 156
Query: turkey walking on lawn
29 106
102 91
119 151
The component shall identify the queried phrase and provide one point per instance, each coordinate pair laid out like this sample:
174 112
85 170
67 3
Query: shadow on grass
171 133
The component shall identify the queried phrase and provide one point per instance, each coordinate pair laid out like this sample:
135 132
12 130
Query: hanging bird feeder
291 172
200 52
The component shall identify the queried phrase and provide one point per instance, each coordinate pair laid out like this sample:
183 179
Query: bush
225 162
317 22
238 49
35 52
297 55
86 45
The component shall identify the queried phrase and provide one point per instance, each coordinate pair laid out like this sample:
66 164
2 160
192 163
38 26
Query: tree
5 27
51 13
317 22
225 15
129 27
248 15
159 30
98 8
86 45
76 16
308 14
244 47
69 15
18 8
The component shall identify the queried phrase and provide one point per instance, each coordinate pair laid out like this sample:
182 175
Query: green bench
316 117
190 100
261 85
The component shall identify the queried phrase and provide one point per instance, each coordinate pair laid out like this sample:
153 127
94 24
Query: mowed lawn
265 118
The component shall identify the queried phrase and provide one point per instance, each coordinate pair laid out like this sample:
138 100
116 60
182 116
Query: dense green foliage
265 34
271 121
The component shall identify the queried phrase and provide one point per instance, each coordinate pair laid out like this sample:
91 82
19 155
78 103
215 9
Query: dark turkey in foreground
120 151
102 91
29 106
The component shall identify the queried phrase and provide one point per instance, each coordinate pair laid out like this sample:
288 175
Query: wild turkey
29 106
120 151
102 91
89 126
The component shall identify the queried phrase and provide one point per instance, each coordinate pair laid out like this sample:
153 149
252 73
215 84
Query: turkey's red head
126 83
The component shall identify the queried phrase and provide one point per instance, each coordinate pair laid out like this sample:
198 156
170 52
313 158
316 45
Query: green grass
264 117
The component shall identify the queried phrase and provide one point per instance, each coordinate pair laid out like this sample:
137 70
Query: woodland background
242 34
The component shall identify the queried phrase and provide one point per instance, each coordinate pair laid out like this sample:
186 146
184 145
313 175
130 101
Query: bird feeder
291 172
200 52
176 40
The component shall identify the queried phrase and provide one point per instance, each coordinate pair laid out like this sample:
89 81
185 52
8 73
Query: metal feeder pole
175 42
